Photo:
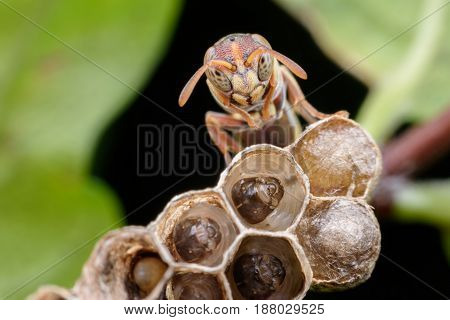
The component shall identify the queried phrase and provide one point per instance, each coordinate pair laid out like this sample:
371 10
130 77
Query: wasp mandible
260 96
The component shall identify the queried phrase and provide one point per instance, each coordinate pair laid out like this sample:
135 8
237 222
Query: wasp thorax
147 272
195 286
256 198
258 276
196 238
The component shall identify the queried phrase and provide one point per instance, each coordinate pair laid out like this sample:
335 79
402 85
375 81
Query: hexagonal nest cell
265 187
195 286
268 267
341 239
125 264
339 158
279 221
196 228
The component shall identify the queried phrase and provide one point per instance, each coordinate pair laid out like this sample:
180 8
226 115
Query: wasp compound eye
219 79
265 67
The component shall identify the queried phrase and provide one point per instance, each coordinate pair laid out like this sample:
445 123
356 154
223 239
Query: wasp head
239 68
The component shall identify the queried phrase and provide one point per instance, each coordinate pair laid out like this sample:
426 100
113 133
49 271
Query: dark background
417 248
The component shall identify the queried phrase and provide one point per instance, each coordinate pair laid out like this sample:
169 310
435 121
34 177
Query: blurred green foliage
401 51
424 201
427 202
54 104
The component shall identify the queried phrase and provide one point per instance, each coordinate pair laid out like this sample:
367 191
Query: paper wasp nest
279 222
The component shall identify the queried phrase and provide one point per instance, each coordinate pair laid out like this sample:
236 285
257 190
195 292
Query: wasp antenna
254 54
291 65
190 85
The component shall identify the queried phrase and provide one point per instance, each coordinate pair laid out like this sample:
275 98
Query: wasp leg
299 102
268 99
217 123
225 101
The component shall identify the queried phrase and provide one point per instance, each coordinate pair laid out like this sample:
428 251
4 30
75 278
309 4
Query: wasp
255 85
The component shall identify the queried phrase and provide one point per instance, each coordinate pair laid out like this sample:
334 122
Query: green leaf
427 202
403 60
46 213
52 100
67 68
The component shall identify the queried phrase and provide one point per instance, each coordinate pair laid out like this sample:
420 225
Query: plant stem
418 147
409 153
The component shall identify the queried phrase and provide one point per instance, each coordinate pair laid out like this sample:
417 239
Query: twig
409 153
418 147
